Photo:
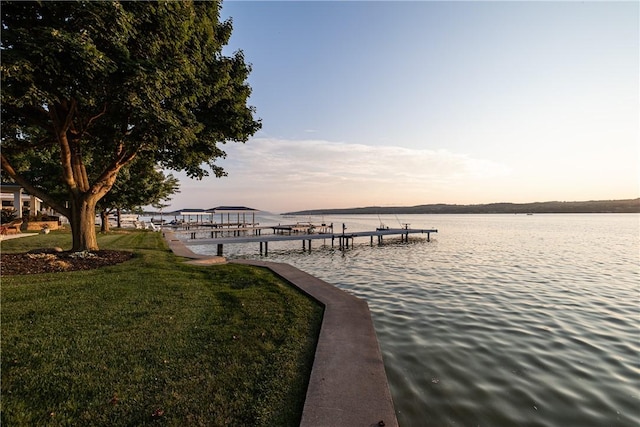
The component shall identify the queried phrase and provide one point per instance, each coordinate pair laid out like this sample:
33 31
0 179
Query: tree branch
70 114
96 117
104 183
8 168
65 159
77 166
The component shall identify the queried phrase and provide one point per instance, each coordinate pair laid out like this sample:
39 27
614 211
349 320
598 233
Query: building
14 197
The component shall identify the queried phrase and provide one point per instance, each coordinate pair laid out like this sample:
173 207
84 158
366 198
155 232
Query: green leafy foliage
139 184
7 215
87 87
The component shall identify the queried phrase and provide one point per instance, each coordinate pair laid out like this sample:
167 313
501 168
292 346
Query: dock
281 233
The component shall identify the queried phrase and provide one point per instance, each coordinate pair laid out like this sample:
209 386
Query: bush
8 215
42 217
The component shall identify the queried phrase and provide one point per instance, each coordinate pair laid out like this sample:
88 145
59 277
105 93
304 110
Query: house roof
7 188
9 185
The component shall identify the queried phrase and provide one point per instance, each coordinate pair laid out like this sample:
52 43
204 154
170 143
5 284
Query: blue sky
404 103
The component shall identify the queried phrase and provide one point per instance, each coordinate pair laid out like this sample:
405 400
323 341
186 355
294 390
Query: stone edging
348 384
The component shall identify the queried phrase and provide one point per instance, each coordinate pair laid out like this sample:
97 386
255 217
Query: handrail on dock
304 232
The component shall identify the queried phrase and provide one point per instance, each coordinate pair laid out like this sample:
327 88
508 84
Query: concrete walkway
16 236
179 248
348 384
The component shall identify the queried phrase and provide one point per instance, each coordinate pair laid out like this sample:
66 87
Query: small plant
8 215
42 217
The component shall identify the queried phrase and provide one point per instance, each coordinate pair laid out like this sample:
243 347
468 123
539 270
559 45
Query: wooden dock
254 235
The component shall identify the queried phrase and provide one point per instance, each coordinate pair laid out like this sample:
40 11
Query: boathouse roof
232 209
192 212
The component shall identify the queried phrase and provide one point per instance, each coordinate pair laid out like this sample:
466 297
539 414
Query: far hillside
594 206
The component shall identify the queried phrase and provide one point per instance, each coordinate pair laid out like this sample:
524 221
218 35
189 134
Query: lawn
153 341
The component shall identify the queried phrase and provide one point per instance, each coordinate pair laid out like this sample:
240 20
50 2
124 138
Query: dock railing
306 232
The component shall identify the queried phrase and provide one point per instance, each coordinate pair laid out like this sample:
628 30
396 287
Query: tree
87 87
138 184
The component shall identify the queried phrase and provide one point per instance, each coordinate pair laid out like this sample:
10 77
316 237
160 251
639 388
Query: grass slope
153 341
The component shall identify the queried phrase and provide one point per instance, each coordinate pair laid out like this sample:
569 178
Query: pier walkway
242 236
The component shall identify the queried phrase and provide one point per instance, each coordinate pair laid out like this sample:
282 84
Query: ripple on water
501 319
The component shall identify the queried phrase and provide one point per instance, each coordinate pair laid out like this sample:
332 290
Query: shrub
8 215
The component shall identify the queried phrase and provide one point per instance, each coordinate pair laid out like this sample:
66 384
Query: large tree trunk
83 195
104 217
83 229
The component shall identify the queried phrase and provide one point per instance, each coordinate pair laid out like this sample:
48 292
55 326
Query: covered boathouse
236 216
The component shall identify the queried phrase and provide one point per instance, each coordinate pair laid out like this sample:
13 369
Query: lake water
500 320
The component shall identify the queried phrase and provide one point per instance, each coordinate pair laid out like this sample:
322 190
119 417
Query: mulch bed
34 263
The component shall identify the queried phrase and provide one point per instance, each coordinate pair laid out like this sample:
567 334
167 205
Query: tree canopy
87 87
139 184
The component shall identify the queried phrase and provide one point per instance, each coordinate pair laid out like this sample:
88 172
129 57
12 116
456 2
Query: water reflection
500 319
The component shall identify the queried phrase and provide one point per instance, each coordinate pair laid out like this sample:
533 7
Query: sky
389 103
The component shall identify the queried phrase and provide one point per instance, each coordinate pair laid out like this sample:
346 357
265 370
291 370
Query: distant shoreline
593 206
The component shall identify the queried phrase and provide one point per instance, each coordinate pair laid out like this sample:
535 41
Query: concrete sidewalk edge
348 384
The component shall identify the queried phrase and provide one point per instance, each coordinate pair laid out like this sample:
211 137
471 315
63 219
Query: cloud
304 162
280 175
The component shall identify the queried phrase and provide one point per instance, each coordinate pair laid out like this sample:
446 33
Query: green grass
153 341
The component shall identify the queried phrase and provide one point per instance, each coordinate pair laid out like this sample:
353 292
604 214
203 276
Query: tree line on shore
593 206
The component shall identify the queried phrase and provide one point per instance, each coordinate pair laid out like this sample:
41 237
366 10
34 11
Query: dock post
309 245
428 237
219 249
266 248
371 240
260 248
303 245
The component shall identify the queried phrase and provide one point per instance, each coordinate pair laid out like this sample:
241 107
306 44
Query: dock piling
246 235
266 248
